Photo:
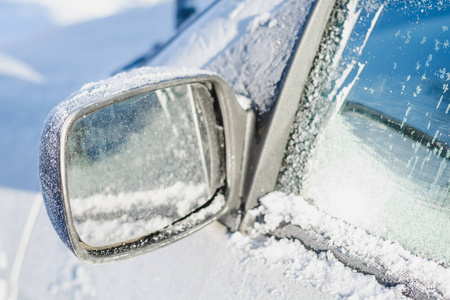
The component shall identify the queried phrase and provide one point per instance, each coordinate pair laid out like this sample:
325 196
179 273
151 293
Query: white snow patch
12 67
273 23
244 102
133 79
201 43
258 21
278 207
322 272
74 11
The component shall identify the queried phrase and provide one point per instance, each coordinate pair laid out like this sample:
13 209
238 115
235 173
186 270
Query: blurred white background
50 48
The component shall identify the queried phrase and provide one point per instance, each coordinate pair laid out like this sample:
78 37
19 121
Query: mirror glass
140 164
382 162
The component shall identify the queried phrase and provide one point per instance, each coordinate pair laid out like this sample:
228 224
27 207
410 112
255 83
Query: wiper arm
441 149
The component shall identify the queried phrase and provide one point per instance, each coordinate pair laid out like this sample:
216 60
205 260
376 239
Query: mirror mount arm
234 217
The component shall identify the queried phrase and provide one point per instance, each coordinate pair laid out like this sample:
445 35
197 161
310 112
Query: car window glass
382 159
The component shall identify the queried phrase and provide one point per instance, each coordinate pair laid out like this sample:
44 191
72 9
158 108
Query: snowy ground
47 51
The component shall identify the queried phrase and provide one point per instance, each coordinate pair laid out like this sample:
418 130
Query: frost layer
248 43
49 162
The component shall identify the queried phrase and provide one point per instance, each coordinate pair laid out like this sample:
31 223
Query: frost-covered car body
256 165
267 65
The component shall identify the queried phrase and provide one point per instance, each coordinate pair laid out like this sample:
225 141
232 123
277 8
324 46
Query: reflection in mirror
138 165
382 162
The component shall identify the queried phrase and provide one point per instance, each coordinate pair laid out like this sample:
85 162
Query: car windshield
381 161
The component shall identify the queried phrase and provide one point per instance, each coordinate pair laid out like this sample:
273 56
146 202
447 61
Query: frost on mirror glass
382 160
138 165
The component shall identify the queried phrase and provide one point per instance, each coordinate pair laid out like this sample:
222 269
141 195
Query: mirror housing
96 96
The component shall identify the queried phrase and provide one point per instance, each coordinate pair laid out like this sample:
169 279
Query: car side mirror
136 162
